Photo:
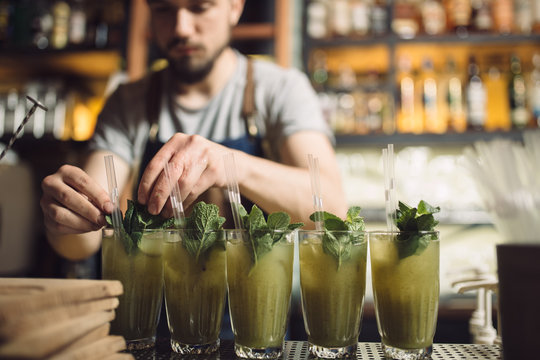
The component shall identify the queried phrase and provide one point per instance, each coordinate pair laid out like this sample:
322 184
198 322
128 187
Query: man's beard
190 70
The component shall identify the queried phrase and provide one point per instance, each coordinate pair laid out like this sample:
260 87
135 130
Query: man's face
193 33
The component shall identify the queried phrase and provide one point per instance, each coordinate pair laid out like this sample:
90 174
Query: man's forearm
277 187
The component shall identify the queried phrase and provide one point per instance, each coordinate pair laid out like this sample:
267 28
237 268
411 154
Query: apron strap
249 110
153 103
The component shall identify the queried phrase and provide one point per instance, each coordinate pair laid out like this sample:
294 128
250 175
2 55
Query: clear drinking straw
232 189
389 187
113 193
313 164
176 198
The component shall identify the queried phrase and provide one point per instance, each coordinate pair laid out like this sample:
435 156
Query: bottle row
69 116
409 18
497 96
60 24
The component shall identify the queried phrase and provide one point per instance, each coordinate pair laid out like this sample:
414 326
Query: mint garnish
264 234
412 221
202 224
334 243
136 220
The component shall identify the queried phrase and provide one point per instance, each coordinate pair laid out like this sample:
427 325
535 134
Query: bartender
208 102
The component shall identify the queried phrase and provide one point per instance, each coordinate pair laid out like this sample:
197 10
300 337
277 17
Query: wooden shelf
83 63
253 31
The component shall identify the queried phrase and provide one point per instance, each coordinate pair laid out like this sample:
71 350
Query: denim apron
250 143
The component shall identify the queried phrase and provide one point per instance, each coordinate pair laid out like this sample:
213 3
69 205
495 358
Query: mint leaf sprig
135 221
411 222
334 243
264 234
203 225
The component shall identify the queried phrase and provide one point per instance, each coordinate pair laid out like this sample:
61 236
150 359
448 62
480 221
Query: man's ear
237 6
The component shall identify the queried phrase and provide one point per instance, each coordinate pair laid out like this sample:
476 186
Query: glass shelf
447 139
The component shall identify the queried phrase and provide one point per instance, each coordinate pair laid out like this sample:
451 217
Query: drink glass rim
287 238
422 232
314 231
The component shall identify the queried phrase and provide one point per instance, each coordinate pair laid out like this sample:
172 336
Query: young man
208 102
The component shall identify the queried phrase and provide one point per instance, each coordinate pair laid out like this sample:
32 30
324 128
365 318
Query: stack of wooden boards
59 319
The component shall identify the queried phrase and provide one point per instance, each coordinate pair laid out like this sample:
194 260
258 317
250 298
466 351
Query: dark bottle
6 22
379 18
476 97
518 94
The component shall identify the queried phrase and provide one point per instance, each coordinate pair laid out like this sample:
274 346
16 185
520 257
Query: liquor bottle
432 121
498 111
476 97
456 119
319 70
405 22
360 14
482 16
379 18
42 25
341 18
536 15
60 30
459 16
433 17
523 16
408 113
534 93
518 95
503 16
77 23
6 9
317 19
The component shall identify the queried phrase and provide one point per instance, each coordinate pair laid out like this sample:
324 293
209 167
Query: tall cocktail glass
195 290
140 269
332 284
259 291
405 277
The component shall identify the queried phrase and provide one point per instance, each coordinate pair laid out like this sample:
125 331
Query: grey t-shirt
284 100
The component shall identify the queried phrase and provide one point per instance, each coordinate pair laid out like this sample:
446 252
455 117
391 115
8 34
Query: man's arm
287 186
74 203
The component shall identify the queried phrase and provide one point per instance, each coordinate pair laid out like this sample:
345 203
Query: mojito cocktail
140 269
195 291
260 285
406 291
333 289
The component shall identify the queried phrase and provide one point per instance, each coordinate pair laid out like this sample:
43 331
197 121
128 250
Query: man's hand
73 203
195 163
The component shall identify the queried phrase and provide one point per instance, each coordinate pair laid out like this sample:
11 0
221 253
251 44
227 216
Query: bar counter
298 350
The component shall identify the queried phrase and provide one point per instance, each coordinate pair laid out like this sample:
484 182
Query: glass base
333 352
194 349
395 353
140 344
246 352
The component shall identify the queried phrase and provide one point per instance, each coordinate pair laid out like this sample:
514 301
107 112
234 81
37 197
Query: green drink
259 292
195 290
141 274
333 292
406 292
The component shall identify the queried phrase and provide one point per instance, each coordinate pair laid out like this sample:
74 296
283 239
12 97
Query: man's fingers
60 220
84 184
152 173
159 195
71 199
